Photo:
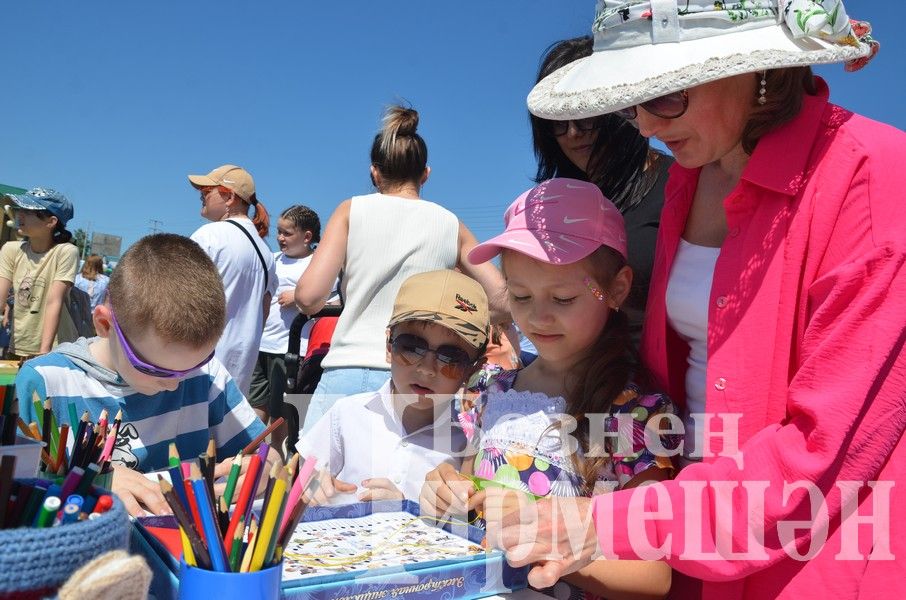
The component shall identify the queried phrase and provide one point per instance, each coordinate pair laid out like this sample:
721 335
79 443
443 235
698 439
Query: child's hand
287 298
379 488
139 494
446 491
330 487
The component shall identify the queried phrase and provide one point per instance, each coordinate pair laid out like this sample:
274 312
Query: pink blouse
805 343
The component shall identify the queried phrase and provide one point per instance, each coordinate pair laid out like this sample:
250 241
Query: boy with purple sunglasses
154 360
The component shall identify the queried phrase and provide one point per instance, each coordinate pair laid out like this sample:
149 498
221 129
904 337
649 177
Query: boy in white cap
384 442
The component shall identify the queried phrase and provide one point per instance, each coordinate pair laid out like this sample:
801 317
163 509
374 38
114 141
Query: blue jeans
338 383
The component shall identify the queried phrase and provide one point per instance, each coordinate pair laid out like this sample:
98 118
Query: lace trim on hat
546 102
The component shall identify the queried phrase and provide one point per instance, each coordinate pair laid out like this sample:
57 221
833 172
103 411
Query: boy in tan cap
380 445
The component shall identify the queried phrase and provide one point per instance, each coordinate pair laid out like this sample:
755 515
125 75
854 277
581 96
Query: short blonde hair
167 282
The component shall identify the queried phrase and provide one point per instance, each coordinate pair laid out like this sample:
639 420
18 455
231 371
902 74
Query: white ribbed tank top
390 238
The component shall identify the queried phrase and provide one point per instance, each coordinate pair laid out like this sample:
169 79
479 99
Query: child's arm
634 578
627 579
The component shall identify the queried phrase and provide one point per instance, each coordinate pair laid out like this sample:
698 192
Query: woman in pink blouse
776 308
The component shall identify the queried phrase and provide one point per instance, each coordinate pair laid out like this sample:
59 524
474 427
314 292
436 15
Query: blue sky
114 103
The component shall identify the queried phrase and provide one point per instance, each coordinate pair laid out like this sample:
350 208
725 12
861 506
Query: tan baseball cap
231 177
448 298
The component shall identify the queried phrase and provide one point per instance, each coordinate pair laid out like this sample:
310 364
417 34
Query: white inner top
688 297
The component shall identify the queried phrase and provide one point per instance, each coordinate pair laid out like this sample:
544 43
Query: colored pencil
73 416
187 553
270 428
223 515
211 533
245 495
236 551
45 428
176 476
191 500
232 478
108 444
91 472
262 457
269 523
298 510
39 410
7 468
54 430
185 523
275 530
23 427
308 467
61 447
250 547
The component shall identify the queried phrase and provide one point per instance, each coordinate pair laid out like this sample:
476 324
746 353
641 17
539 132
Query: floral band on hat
824 19
646 49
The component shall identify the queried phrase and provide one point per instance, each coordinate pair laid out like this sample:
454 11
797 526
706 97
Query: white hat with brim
628 68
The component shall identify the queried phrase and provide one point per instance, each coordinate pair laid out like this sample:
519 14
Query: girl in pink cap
540 429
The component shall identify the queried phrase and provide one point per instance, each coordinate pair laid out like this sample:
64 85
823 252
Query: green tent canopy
8 189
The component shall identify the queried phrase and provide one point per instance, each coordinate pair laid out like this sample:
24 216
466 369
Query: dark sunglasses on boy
148 368
559 128
411 349
671 106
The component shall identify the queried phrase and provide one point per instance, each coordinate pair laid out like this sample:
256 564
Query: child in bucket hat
564 259
379 445
40 270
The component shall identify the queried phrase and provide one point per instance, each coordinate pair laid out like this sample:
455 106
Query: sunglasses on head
559 128
411 349
148 368
671 106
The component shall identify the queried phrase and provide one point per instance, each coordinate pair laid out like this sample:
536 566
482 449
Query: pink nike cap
559 221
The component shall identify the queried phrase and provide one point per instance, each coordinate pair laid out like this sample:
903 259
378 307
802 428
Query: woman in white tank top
378 241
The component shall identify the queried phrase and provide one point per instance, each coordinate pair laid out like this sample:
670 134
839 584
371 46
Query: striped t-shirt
206 403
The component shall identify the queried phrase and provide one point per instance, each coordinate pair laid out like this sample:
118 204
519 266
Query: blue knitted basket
35 562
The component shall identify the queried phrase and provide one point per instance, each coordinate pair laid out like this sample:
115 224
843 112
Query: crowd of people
724 319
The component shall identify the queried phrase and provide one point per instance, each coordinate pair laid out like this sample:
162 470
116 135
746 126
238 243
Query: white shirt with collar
362 437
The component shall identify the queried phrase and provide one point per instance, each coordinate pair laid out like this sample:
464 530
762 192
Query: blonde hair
167 282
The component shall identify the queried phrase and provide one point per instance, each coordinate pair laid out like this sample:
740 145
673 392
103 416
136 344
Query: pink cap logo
559 221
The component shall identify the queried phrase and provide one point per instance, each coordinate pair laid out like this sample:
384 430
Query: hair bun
400 121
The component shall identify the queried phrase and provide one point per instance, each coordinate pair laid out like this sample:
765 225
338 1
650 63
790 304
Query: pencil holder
34 562
28 456
195 583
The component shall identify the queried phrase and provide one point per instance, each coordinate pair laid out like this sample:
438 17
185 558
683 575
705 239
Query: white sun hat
647 49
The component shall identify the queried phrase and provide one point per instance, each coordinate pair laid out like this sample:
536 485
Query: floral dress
523 442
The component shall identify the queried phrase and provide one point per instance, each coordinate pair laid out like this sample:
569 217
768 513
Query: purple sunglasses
147 368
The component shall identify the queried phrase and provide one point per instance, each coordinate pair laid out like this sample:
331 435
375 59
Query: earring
763 88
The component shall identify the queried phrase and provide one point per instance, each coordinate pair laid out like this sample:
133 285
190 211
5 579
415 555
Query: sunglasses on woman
148 368
559 128
411 349
671 106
